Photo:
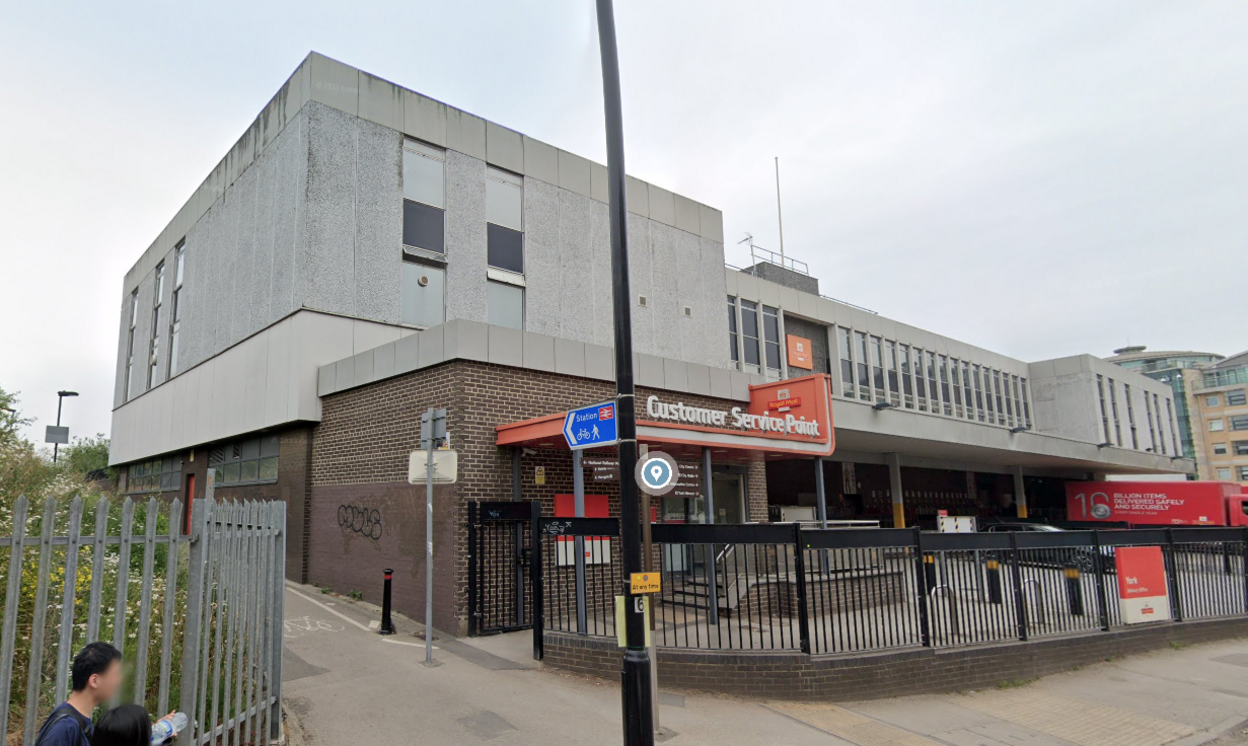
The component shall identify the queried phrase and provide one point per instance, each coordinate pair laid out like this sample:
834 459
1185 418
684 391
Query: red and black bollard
387 624
994 581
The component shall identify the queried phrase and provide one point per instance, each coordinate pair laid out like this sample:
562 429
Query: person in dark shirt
125 725
96 677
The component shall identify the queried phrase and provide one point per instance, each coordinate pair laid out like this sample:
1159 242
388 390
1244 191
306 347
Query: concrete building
1167 367
364 252
1219 412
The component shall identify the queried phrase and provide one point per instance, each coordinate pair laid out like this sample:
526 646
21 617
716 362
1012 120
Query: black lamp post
60 399
635 674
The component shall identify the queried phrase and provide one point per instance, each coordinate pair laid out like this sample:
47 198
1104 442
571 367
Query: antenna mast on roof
779 215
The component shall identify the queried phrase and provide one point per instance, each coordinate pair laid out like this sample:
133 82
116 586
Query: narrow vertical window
734 334
175 323
864 373
890 370
749 336
134 320
1113 405
988 397
1026 403
946 403
771 339
845 345
1126 392
1100 390
907 373
1152 432
504 214
979 392
955 375
1174 430
154 360
932 387
920 380
424 197
877 368
996 390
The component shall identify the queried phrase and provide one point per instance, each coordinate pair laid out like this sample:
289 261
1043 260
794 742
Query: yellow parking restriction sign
645 582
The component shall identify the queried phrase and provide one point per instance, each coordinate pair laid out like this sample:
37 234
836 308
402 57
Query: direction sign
590 427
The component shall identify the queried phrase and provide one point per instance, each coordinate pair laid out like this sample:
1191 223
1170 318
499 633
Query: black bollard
929 572
387 624
1074 591
994 581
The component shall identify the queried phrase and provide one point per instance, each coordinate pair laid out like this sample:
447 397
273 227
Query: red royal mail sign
1143 595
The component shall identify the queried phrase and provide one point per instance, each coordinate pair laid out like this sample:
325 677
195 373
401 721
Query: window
877 368
734 334
845 345
1026 403
424 197
1239 422
1241 447
890 367
1236 398
933 389
979 392
1018 401
920 380
154 360
424 293
1100 390
1174 431
504 211
157 475
175 326
988 397
996 392
749 336
946 405
1113 405
246 461
907 371
1219 449
954 367
1243 473
1215 426
1224 475
506 304
966 390
134 320
1152 433
1126 393
1213 401
863 355
771 338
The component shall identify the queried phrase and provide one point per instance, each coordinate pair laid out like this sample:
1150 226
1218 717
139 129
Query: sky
1040 179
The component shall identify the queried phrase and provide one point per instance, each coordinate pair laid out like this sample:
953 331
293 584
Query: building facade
364 252
1219 410
1168 367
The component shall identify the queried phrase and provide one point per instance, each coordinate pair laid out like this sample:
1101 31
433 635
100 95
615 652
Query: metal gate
504 576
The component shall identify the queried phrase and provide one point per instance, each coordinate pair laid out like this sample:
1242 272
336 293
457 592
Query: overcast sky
1041 179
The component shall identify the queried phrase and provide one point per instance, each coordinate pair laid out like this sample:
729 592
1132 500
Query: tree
88 458
10 418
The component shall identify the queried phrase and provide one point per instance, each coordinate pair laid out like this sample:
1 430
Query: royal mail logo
791 401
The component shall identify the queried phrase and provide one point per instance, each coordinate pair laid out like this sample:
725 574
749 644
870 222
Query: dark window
771 335
505 248
424 227
1236 398
1239 422
247 461
158 475
1241 447
847 361
732 330
749 332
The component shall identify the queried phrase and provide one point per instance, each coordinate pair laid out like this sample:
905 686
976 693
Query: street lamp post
60 399
635 674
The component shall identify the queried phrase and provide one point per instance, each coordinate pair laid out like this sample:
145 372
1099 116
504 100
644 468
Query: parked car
1082 558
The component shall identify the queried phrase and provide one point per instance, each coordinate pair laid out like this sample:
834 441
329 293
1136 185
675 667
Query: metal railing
198 616
784 587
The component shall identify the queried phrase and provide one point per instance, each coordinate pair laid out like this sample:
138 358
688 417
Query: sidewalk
347 685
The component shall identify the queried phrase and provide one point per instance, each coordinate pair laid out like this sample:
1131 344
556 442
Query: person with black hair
95 677
124 725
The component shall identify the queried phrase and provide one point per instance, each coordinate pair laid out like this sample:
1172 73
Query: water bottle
167 729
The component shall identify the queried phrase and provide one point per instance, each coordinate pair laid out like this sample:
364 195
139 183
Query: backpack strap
61 713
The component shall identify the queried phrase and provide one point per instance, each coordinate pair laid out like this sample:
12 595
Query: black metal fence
782 587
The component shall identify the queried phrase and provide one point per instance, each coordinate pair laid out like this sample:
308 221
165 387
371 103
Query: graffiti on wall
363 521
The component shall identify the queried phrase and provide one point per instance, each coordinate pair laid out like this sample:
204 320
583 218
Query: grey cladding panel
379 208
328 269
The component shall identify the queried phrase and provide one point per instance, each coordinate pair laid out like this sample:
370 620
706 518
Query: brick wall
366 434
878 675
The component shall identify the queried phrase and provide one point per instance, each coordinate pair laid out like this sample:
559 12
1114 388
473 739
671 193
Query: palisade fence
789 587
197 617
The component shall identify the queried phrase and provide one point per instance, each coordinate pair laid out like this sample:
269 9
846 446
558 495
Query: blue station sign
591 427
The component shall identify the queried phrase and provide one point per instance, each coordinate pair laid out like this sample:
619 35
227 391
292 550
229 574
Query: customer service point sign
1142 589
